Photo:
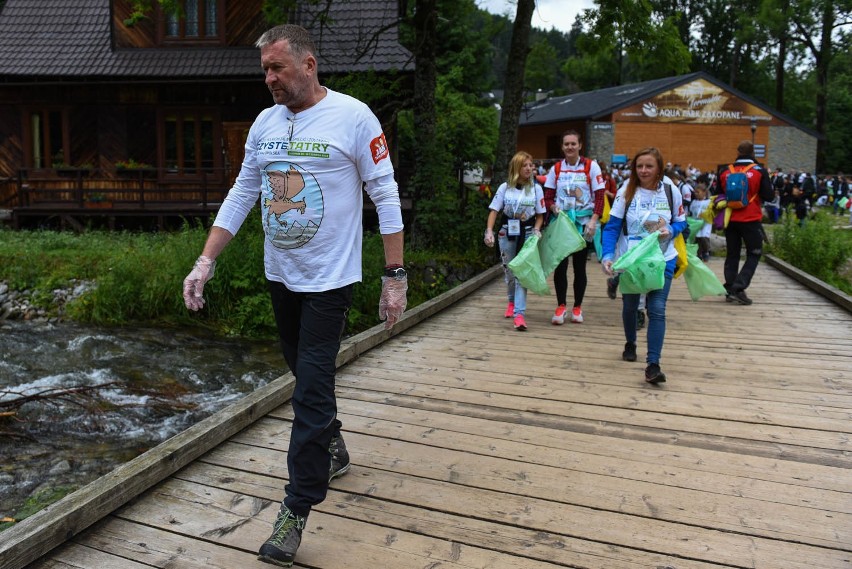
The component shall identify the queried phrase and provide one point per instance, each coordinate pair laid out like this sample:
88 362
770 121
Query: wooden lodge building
150 119
693 119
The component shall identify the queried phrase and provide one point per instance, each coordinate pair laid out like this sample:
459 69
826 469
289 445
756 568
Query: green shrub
139 277
818 248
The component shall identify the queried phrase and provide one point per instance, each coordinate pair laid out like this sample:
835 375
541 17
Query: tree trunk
513 97
782 56
779 74
823 59
425 84
735 64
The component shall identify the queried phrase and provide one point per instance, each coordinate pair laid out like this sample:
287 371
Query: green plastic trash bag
694 224
701 281
558 240
598 241
643 266
526 266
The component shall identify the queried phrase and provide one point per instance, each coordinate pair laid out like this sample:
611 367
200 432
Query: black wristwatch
397 273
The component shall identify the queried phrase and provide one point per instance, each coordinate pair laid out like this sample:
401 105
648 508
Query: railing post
141 188
23 189
204 190
79 188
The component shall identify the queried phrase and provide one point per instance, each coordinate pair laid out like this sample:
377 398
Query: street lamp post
753 130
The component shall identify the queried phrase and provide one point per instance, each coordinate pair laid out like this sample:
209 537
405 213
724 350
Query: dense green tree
838 155
644 44
513 98
817 25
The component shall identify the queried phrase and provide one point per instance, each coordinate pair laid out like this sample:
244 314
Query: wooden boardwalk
475 446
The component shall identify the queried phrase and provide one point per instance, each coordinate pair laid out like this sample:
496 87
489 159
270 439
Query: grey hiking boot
280 549
339 458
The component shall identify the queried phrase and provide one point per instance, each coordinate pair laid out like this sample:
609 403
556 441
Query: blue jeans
655 303
310 325
515 291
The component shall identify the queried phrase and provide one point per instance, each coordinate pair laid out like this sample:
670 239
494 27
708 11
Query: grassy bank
139 277
820 247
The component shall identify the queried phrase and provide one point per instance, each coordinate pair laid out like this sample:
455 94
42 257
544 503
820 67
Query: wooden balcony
73 198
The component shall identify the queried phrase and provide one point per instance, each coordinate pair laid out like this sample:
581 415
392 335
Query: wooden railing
131 189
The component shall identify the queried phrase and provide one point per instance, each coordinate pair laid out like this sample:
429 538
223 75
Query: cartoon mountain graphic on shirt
296 234
292 203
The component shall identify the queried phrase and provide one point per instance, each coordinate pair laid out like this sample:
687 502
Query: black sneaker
640 319
280 549
629 353
739 297
339 458
654 375
611 287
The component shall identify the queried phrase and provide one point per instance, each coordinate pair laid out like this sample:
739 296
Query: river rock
17 305
60 467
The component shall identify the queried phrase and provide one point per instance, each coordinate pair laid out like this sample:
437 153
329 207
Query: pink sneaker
559 315
577 315
510 310
520 323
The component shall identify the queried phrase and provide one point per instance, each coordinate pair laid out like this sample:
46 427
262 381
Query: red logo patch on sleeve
379 148
599 178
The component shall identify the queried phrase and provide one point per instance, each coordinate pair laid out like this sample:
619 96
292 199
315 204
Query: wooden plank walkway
475 446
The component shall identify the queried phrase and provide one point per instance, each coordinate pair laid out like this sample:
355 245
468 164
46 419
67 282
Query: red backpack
587 167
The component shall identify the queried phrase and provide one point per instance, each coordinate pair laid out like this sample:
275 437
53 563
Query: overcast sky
559 14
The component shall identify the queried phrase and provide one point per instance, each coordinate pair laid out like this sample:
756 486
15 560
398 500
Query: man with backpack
746 186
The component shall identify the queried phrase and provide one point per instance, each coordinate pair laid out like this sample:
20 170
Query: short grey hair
297 37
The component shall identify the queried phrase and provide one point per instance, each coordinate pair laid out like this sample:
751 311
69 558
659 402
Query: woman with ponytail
521 200
644 205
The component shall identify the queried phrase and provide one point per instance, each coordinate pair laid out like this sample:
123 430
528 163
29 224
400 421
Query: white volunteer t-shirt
696 208
573 189
518 204
647 207
308 170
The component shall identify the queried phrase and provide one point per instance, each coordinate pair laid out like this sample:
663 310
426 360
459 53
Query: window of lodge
196 21
46 138
188 143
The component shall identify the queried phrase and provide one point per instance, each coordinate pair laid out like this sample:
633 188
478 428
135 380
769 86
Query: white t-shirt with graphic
648 211
308 169
517 203
573 189
696 208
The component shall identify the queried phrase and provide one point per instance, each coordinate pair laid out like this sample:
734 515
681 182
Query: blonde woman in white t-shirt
521 201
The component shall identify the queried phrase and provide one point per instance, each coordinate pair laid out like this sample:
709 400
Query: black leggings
560 277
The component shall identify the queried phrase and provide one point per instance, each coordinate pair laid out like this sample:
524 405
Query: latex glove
489 238
589 230
536 232
193 284
606 267
554 209
665 231
393 300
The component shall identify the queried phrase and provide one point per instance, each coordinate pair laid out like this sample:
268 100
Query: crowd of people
312 246
646 196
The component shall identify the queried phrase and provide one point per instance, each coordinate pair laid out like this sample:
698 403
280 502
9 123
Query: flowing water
144 386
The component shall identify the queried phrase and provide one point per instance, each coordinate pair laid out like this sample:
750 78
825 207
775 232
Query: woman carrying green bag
641 209
522 202
574 185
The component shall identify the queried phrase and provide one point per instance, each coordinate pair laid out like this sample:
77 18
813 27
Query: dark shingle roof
66 39
592 105
596 104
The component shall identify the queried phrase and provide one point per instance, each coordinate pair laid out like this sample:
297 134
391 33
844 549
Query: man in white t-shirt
307 159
